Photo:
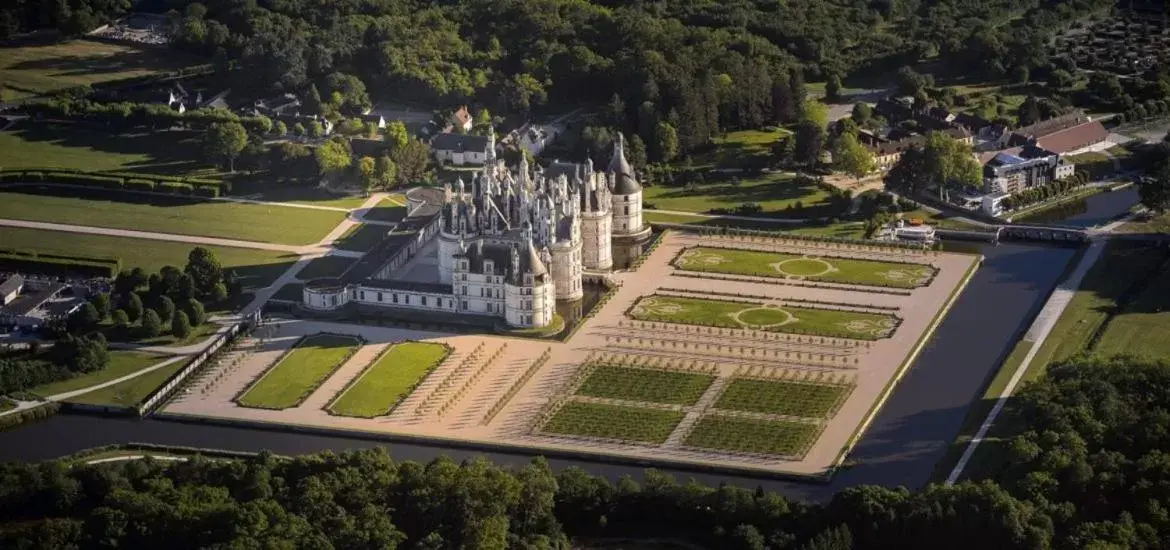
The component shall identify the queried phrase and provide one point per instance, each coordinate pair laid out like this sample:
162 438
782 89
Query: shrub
207 191
140 185
175 187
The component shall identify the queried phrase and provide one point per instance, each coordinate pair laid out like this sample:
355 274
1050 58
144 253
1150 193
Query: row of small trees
1046 192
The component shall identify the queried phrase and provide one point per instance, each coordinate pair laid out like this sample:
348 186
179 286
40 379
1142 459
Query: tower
627 192
596 229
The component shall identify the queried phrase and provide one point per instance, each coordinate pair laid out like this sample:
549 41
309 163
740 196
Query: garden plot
804 267
809 398
389 379
637 424
772 317
741 434
300 371
615 381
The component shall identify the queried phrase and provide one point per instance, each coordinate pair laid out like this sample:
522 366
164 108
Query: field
829 269
325 266
750 435
777 194
77 147
164 339
1153 223
389 379
787 397
644 384
731 150
37 69
257 268
122 362
614 422
361 237
848 230
296 374
179 215
796 320
132 392
1148 313
1099 165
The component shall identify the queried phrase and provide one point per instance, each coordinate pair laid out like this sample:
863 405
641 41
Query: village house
461 149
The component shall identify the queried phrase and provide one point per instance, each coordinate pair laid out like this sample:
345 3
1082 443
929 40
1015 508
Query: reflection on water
1097 209
625 254
575 310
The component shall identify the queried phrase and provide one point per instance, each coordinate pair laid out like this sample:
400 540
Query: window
363 295
463 304
333 300
379 296
627 210
424 300
481 294
407 298
464 277
465 291
395 296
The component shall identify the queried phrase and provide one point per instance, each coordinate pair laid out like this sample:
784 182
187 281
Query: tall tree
666 142
333 156
412 161
396 134
386 172
833 88
852 157
180 326
1154 189
810 141
950 163
151 324
205 270
368 172
910 173
225 140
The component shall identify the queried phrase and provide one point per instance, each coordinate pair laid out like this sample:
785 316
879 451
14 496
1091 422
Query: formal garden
809 396
742 434
835 323
299 371
804 267
637 424
644 383
389 379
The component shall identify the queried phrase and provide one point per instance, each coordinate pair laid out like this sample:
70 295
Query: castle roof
624 182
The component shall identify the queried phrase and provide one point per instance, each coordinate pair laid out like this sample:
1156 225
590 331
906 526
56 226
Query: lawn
789 319
787 397
390 379
1148 223
785 266
165 339
1099 165
729 151
257 268
847 230
299 371
325 266
163 214
37 69
777 194
1148 313
614 422
132 392
361 237
78 147
750 435
122 362
646 384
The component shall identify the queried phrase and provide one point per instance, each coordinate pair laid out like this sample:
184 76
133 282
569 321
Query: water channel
901 447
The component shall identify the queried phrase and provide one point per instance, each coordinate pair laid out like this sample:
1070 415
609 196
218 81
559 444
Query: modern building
506 246
1014 170
36 303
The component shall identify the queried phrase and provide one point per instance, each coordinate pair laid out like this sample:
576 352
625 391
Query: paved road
1036 334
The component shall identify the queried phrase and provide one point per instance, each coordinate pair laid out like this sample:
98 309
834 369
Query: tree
120 319
396 135
299 130
1106 88
482 125
85 318
133 306
386 172
332 157
151 325
636 152
1061 78
180 326
219 293
195 313
368 172
782 150
411 161
862 113
1029 112
810 141
950 163
852 157
204 269
1154 189
910 174
225 140
280 128
101 303
666 142
910 83
164 306
833 88
815 112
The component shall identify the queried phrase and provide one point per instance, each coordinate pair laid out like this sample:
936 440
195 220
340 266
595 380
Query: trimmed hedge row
13 420
122 180
52 264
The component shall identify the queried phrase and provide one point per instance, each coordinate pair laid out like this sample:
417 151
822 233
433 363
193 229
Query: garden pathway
706 401
66 395
336 382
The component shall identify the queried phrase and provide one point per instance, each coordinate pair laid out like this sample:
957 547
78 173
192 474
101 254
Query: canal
1097 209
908 437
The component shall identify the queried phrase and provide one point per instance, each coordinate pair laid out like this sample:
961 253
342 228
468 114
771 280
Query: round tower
596 232
627 193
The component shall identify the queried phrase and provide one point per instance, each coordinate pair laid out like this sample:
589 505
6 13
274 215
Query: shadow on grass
171 152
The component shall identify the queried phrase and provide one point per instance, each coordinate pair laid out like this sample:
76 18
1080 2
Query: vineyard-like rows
786 397
614 421
638 384
751 435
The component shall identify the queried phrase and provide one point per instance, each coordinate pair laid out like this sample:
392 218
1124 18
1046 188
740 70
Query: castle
508 244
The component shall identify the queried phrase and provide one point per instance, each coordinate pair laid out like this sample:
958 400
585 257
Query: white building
461 149
508 246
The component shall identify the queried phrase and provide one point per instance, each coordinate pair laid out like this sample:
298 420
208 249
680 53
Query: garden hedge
52 264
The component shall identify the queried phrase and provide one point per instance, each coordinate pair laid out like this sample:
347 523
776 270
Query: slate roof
460 143
11 284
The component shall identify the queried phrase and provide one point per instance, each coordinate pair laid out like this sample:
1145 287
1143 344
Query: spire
620 173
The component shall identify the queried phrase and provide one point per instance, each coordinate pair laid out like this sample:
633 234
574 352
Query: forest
1092 473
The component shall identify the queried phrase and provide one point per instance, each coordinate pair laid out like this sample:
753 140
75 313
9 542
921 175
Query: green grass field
325 266
132 392
1153 223
775 193
614 422
361 237
122 362
78 147
789 319
1147 314
750 435
1099 165
299 371
646 384
829 269
257 268
390 379
787 397
179 215
846 230
36 69
164 339
733 148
